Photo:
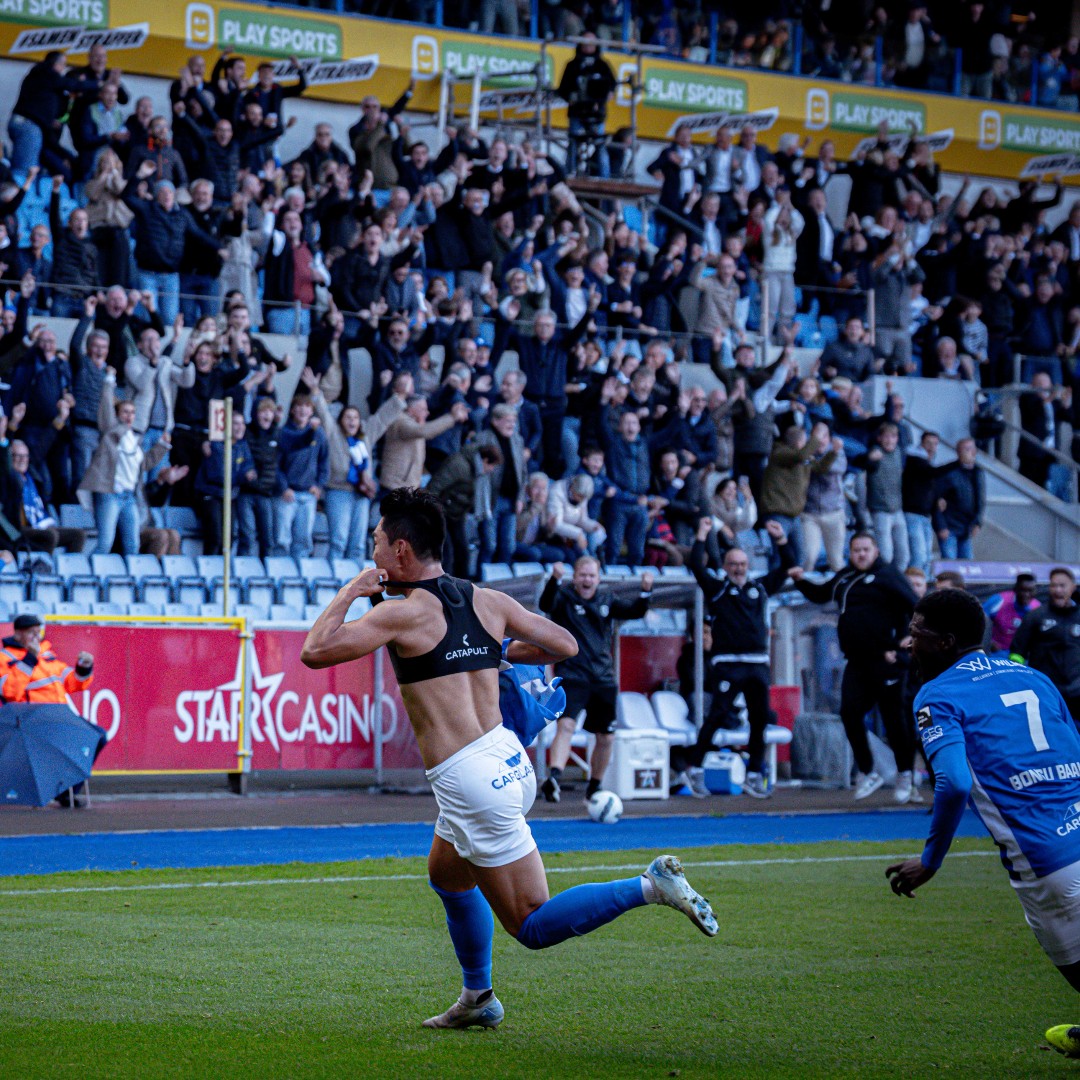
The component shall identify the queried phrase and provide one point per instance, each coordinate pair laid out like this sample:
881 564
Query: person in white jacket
781 228
568 514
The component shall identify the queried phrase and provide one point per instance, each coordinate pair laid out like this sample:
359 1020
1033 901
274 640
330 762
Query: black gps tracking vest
466 645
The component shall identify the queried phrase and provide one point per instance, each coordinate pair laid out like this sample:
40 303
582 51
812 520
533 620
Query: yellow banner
347 57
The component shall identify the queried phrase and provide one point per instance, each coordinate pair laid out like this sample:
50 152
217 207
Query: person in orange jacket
31 672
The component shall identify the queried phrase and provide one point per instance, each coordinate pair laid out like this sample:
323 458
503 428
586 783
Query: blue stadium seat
345 569
633 217
29 607
188 586
285 613
291 586
47 588
829 329
312 612
210 609
152 585
618 570
253 612
35 562
322 584
74 516
256 585
527 569
6 614
151 610
183 519
104 607
83 585
178 610
69 607
496 572
117 584
676 572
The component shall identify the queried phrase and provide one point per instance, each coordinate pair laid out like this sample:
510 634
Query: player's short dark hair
956 612
952 578
1063 570
1025 579
415 516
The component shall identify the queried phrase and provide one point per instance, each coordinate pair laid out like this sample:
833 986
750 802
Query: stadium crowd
979 49
437 261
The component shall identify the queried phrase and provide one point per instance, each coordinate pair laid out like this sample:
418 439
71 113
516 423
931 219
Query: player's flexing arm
536 640
333 641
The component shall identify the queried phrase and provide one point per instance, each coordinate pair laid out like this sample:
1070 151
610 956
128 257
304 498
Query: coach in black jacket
589 677
738 663
876 604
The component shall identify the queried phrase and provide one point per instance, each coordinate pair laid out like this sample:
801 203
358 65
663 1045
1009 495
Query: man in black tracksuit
876 604
738 663
589 677
1049 639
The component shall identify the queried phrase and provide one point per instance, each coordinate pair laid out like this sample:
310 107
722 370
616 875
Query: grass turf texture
818 971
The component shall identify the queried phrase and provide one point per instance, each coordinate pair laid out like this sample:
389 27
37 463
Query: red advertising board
304 719
168 697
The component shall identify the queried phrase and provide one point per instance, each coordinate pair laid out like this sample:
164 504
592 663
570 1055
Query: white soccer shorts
1052 909
483 792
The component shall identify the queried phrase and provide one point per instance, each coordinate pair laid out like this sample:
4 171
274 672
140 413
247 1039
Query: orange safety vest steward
46 682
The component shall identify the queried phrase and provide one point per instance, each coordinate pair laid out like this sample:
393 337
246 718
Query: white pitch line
166 886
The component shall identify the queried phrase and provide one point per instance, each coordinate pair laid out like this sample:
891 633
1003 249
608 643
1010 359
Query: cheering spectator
157 159
1041 412
154 378
627 455
919 495
88 356
849 356
568 516
116 471
75 258
258 497
824 520
884 463
291 271
109 217
305 463
456 484
210 485
961 498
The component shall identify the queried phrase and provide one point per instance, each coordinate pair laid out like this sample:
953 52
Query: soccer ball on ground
605 807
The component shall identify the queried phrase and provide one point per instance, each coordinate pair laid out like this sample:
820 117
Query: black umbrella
44 750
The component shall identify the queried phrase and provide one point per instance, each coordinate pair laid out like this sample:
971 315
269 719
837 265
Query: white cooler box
639 764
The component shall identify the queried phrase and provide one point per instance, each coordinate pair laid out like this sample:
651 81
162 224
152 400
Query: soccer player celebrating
1023 778
443 637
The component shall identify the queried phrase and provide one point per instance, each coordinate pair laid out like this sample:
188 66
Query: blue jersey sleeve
952 785
993 604
938 722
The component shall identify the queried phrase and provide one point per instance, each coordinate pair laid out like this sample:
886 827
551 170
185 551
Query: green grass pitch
818 971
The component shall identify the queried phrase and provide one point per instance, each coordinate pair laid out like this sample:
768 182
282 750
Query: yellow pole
226 525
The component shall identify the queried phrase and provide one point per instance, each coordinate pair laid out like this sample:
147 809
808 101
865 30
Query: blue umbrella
44 750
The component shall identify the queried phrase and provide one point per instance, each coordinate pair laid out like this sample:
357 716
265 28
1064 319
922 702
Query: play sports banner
345 58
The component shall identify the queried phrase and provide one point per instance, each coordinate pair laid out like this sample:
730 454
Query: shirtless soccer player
443 637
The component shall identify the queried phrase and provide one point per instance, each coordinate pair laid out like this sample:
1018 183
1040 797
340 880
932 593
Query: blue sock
472 928
579 910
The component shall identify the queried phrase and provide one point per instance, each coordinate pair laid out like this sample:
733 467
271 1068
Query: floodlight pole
226 524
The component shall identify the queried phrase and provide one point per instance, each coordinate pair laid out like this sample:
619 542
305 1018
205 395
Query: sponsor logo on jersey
1048 624
932 734
752 593
976 663
514 761
922 718
605 610
465 650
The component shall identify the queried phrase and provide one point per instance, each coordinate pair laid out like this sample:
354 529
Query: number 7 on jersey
1030 700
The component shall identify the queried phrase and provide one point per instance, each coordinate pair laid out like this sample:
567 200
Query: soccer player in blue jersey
1000 734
